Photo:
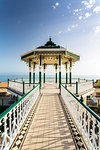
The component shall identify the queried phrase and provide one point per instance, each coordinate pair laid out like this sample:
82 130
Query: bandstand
45 116
50 54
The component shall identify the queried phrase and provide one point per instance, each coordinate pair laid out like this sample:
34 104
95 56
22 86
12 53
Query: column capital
29 62
34 64
44 67
59 68
70 62
30 69
70 68
40 68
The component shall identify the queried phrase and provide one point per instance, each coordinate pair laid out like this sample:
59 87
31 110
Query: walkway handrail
13 118
87 121
88 109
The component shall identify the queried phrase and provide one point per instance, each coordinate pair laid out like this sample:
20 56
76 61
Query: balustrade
13 118
85 119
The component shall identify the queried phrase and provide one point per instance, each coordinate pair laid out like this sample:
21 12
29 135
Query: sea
49 78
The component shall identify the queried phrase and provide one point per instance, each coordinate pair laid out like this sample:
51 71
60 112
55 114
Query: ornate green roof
49 44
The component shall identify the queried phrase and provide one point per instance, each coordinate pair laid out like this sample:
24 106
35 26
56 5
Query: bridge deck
49 129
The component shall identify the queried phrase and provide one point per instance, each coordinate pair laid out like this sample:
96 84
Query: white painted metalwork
12 120
18 86
82 87
28 87
85 119
21 86
85 86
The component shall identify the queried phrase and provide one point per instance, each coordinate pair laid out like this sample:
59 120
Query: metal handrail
13 105
86 107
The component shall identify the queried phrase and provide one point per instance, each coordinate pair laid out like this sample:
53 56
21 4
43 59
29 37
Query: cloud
88 4
96 9
56 5
77 10
68 6
68 29
72 27
97 29
60 32
87 15
80 17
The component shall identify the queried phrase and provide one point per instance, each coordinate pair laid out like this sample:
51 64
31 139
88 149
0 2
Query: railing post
23 87
8 82
81 99
76 87
17 97
78 80
93 82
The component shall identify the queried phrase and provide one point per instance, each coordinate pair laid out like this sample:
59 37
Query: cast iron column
66 72
70 75
44 67
40 67
34 72
29 71
59 71
56 72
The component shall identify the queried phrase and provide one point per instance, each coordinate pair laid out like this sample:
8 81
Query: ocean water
5 77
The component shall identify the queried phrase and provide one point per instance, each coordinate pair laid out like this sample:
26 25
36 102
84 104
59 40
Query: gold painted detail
70 68
40 68
59 68
29 69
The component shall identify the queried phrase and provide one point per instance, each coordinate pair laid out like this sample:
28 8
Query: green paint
86 107
34 77
29 77
66 77
44 77
70 62
23 87
59 79
70 78
59 60
59 71
73 55
29 62
81 99
56 77
13 105
76 87
40 79
8 82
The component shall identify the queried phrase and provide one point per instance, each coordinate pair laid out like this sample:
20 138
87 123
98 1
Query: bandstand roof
50 52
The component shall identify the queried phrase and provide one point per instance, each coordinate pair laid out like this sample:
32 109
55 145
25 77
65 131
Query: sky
27 24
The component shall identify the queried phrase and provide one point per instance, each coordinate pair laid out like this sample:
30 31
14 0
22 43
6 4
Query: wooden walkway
49 130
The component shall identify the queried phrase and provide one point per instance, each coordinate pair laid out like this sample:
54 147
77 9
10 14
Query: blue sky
26 24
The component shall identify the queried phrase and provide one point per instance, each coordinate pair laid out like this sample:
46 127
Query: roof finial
50 38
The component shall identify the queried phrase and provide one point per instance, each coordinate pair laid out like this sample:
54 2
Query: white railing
85 119
13 118
82 87
28 87
85 86
20 86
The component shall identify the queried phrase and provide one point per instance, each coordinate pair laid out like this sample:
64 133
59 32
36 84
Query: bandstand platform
50 115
